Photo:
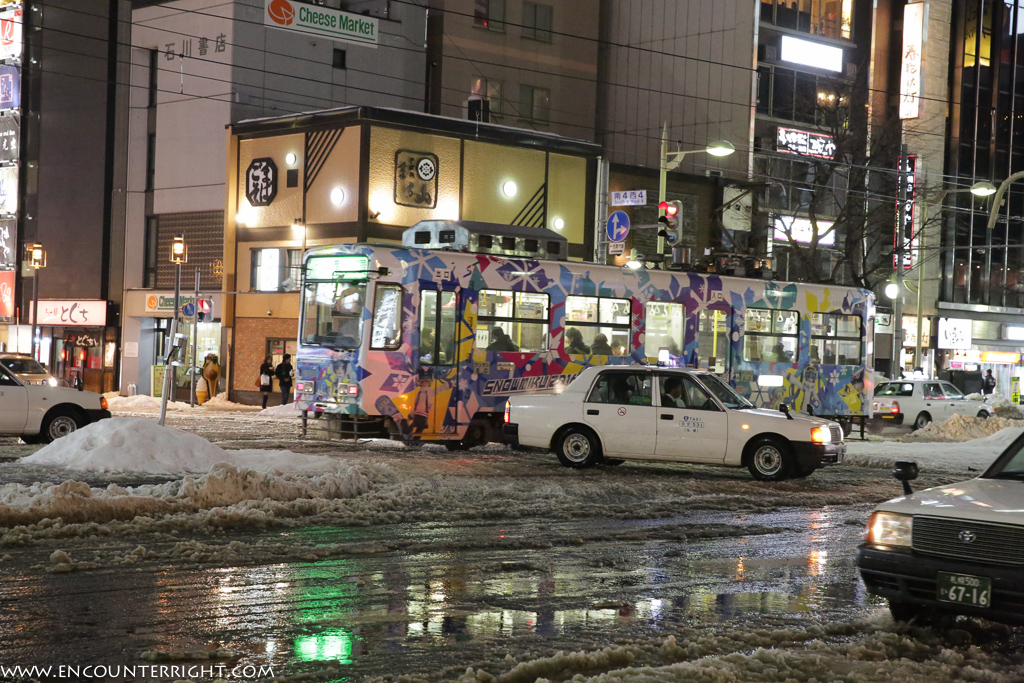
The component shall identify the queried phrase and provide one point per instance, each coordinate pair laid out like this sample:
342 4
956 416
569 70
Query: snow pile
960 428
221 402
1004 407
967 458
235 493
141 402
288 410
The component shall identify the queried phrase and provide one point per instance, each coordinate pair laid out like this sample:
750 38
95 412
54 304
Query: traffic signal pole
195 344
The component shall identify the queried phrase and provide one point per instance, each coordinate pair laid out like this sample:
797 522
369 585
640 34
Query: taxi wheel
922 421
769 460
61 422
982 414
578 447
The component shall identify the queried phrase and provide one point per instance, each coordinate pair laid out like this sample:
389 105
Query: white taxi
39 413
641 413
954 549
919 402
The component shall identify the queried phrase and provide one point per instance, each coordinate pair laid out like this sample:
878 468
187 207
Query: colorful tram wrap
427 344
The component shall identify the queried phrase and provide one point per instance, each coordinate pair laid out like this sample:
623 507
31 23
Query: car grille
991 544
837 433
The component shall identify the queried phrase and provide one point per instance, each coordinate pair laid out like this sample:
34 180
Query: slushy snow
961 428
288 410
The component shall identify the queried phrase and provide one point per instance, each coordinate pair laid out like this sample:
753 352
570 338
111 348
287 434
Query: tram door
434 412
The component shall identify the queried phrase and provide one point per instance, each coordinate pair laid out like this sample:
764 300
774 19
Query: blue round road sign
618 226
188 310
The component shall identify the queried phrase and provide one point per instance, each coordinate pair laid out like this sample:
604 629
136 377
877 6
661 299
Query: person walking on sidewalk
266 380
284 373
988 385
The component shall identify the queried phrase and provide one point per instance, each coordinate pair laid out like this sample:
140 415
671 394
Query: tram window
712 340
485 241
522 318
387 318
554 249
771 336
437 328
508 242
421 237
664 328
530 245
334 314
591 320
835 339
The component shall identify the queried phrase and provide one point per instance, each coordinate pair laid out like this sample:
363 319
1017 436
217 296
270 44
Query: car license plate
965 589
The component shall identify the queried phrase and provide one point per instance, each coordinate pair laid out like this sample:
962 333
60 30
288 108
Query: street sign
188 310
618 226
617 248
629 198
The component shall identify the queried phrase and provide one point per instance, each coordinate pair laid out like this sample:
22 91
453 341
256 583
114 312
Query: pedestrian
266 380
988 385
284 373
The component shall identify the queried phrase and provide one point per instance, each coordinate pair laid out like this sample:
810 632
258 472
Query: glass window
596 321
932 390
490 14
951 391
622 388
333 314
712 340
534 103
512 321
387 318
664 328
696 397
771 336
490 90
835 339
437 328
537 21
275 270
895 389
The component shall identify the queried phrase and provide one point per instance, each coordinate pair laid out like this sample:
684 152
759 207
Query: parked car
611 413
39 413
954 549
918 402
27 369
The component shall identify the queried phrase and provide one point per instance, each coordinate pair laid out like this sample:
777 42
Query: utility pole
195 344
897 303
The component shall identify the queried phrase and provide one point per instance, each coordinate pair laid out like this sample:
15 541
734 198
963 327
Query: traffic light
204 309
670 221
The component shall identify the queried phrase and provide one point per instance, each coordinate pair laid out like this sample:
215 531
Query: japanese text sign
91 313
805 143
911 83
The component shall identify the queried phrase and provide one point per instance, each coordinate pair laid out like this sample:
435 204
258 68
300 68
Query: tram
428 339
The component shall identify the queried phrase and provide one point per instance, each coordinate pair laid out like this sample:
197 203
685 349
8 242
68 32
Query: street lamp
179 256
669 161
36 257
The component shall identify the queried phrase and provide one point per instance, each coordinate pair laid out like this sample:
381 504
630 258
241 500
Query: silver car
27 369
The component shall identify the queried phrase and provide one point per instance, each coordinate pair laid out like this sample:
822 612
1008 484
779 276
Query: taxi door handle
593 412
666 416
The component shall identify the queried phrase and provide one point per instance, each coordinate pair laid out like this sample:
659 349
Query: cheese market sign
321 21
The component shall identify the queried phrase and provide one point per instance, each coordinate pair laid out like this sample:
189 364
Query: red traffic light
668 208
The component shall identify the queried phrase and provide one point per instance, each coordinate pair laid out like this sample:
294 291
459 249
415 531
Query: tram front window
333 314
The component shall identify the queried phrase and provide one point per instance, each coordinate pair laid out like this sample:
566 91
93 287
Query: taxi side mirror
906 472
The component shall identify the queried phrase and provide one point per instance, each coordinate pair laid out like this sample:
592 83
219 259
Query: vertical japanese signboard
910 236
10 136
911 83
10 34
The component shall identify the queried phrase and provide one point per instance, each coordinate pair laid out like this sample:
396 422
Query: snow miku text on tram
427 340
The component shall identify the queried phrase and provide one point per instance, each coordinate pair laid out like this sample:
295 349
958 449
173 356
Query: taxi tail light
353 389
103 403
895 408
508 412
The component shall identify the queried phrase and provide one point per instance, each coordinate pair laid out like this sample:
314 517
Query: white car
672 415
918 402
954 549
40 413
27 369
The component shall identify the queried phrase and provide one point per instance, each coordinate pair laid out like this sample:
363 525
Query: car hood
990 500
86 399
778 414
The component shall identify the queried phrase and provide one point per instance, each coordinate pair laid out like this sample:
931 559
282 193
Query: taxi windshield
724 393
1009 465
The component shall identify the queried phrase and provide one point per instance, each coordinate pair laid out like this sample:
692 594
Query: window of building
152 252
835 339
275 270
150 161
490 90
387 318
596 321
534 103
771 336
622 388
490 14
154 76
437 328
829 18
339 60
512 321
712 340
537 21
664 328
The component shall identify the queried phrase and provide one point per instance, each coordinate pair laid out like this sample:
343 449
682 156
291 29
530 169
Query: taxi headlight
52 381
890 528
820 435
